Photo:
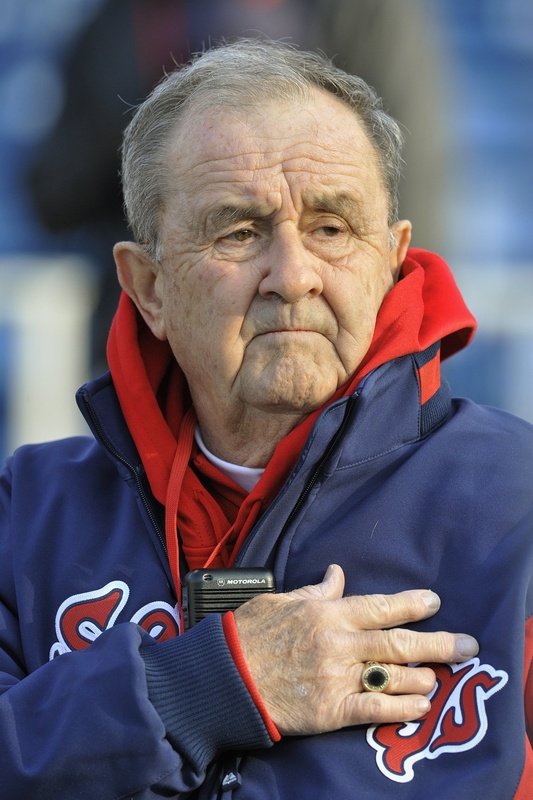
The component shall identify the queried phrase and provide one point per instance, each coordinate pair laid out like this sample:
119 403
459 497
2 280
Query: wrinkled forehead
285 157
320 129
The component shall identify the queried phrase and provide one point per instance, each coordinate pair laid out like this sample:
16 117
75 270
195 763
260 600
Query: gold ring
376 677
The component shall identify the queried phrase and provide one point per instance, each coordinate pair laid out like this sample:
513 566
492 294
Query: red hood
423 307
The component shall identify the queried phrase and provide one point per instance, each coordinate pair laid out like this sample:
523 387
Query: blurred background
457 74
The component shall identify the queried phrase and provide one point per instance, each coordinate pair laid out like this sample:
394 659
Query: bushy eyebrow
222 217
340 203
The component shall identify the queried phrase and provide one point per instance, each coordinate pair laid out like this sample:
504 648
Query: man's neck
248 439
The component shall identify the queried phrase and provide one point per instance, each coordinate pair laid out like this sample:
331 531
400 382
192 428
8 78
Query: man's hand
306 652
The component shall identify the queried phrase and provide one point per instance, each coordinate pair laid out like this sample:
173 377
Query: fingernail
467 646
431 600
423 705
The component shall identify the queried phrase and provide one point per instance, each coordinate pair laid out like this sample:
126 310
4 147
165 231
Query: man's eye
241 236
330 230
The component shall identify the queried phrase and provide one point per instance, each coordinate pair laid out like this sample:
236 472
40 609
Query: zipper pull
231 778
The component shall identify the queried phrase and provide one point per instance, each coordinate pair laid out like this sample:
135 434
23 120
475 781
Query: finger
403 646
369 708
331 587
404 680
377 611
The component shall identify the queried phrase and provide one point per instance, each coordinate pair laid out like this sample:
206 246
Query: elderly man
274 401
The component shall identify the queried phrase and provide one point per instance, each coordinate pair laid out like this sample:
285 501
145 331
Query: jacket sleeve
85 725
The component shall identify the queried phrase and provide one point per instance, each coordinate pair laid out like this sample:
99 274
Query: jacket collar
399 402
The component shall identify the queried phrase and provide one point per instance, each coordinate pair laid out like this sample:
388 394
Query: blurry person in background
274 402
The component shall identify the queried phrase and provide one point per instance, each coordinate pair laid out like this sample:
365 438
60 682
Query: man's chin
295 403
288 385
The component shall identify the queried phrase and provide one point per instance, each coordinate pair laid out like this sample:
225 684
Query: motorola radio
208 591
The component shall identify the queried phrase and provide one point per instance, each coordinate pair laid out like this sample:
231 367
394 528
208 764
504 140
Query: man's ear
401 231
141 279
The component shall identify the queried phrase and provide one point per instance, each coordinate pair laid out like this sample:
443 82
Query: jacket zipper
136 472
307 488
316 472
231 778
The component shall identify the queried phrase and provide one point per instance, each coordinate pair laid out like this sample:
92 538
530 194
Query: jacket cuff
197 690
232 639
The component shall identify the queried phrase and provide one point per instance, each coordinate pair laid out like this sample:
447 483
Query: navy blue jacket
101 700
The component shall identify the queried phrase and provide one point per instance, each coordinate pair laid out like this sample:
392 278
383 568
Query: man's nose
290 270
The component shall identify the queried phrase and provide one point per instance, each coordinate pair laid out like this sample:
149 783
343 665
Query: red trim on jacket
525 787
234 645
429 379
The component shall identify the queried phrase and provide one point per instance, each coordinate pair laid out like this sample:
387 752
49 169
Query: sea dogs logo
457 720
81 618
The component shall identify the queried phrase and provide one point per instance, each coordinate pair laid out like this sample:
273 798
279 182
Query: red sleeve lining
232 640
528 677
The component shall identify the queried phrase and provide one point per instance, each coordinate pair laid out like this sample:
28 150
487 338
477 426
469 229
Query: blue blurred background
458 74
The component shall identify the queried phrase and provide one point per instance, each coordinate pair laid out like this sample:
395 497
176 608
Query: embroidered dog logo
457 720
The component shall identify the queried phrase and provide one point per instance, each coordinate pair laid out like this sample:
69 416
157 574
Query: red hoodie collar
423 307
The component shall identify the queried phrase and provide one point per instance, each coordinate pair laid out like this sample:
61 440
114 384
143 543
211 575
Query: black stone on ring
375 677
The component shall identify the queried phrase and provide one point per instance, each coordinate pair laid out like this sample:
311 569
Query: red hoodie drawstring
177 473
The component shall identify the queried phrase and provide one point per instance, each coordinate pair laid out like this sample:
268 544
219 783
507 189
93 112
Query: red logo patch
80 619
456 722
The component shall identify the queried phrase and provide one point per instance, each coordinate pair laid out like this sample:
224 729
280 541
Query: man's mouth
273 331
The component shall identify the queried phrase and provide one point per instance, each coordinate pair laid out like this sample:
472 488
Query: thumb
331 587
